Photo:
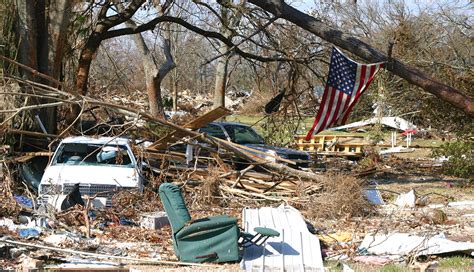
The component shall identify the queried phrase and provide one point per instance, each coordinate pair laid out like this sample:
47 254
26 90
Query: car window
243 135
214 131
92 154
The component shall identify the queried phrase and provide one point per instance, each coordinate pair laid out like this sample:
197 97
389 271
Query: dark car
245 135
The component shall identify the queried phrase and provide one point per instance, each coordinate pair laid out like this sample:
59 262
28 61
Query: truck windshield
243 135
92 154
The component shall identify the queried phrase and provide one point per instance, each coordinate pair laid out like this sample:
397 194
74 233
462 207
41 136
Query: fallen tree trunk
414 76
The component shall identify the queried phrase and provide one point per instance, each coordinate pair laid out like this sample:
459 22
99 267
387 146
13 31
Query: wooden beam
197 123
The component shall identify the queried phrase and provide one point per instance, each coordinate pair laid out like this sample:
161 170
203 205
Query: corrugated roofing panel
296 249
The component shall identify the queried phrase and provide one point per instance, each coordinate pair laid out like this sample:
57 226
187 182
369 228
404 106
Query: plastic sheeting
403 244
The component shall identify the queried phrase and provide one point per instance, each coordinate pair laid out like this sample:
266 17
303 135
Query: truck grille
106 191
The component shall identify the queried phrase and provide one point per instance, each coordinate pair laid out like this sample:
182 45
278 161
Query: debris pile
353 209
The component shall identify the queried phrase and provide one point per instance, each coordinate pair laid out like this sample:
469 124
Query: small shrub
461 158
376 133
371 158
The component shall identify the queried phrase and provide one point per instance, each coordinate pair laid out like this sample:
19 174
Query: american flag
347 80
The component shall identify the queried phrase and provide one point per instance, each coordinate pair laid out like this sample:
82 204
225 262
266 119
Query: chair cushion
195 241
174 205
207 224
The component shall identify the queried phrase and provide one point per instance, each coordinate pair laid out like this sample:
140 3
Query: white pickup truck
98 165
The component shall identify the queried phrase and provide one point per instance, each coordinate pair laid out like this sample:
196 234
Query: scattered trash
29 233
373 196
29 263
125 222
404 244
155 221
397 149
22 200
374 260
8 223
60 240
406 200
336 237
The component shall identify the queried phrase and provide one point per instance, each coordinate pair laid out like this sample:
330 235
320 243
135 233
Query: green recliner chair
210 239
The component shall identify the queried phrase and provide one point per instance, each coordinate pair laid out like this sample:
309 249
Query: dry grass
131 204
8 205
342 196
210 187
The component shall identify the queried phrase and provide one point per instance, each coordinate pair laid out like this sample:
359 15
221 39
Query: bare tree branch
209 34
414 76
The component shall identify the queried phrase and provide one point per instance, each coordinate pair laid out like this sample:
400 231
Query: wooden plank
341 154
30 155
31 133
334 145
208 117
163 142
197 123
249 149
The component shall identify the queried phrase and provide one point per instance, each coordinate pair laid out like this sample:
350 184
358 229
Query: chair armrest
267 232
206 224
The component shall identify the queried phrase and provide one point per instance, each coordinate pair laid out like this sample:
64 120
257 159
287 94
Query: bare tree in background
154 73
222 61
253 44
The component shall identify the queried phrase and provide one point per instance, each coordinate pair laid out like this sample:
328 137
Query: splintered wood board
199 122
208 117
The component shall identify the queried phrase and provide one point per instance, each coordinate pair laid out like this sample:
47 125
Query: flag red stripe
331 104
338 109
320 111
360 90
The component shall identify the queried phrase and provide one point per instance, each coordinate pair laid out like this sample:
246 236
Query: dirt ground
400 173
